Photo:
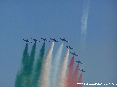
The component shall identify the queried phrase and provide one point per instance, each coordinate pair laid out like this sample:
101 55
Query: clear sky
23 19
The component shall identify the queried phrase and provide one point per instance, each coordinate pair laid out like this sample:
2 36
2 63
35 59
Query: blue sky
25 19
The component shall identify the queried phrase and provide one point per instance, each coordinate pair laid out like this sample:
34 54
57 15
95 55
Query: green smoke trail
29 67
31 59
21 73
38 66
27 81
18 81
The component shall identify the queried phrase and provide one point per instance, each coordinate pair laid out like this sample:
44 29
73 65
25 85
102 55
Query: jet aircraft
64 40
35 40
27 41
69 47
74 53
44 39
82 70
79 62
54 40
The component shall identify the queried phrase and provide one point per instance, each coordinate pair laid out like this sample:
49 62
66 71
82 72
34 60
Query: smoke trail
44 79
62 73
70 72
38 67
31 59
80 81
27 81
28 70
55 66
75 76
84 23
18 82
25 61
19 78
70 68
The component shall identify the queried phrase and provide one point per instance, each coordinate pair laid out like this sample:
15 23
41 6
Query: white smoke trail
44 79
84 23
63 70
55 66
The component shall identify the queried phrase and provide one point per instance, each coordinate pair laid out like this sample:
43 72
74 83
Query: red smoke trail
75 76
80 81
70 72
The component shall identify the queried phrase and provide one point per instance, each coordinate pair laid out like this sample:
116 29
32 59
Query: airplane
79 62
64 40
44 39
35 40
27 41
69 47
74 53
54 40
82 70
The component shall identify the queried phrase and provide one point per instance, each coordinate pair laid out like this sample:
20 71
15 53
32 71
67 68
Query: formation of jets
80 63
53 39
44 39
